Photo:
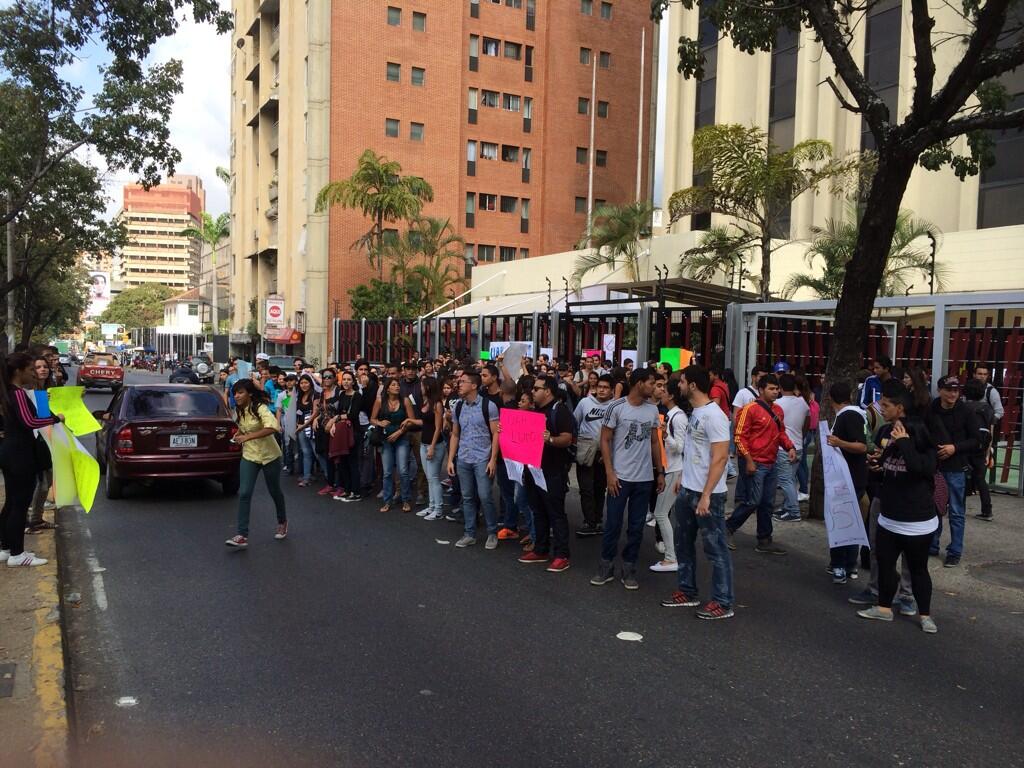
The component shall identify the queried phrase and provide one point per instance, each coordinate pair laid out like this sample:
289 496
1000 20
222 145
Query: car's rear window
101 360
156 404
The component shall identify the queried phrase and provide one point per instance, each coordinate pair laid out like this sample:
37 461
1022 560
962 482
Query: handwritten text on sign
522 436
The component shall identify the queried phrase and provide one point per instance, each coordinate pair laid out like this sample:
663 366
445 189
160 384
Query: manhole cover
1004 573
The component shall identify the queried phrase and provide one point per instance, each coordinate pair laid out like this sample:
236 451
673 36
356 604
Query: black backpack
570 451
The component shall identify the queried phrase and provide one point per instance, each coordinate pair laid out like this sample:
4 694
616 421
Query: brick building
490 102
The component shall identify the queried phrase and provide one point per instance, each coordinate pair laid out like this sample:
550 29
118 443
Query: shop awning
285 335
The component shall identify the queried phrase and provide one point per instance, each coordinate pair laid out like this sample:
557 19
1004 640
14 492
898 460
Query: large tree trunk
863 277
766 266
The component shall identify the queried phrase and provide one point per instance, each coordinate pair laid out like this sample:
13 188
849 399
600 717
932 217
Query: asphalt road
362 640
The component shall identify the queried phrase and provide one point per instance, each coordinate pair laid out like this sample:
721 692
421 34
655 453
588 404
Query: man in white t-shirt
701 501
743 398
797 420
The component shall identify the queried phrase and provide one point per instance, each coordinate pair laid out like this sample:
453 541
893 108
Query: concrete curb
51 751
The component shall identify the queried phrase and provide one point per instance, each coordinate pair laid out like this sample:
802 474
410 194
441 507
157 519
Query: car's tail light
124 444
231 440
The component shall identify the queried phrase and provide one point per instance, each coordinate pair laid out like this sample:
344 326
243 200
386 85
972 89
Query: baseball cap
262 356
949 382
781 367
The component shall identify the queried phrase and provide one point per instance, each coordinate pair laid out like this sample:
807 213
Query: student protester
549 504
257 428
590 477
410 387
472 455
632 463
36 522
674 435
983 373
305 417
21 456
345 443
980 460
513 495
392 414
797 418
760 434
286 417
366 382
743 397
701 490
907 519
881 372
429 417
959 438
326 415
848 435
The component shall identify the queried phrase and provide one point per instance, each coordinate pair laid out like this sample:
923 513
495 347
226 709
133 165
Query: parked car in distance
285 362
101 369
176 431
64 359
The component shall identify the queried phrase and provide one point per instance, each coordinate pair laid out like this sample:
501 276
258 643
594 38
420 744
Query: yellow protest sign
87 474
76 475
68 401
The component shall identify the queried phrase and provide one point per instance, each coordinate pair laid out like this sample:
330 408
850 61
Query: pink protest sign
522 436
592 353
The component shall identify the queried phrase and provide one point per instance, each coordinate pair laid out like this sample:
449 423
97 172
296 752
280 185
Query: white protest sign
538 477
514 470
497 348
608 345
842 507
628 354
514 357
549 351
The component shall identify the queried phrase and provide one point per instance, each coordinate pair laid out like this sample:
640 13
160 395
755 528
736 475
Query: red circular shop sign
274 311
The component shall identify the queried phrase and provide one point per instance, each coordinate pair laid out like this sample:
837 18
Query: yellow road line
48 674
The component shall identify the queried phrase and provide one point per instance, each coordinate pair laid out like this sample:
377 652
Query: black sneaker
952 561
629 578
982 516
713 610
589 529
768 548
605 573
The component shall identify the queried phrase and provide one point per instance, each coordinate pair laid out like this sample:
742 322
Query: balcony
269 102
273 139
253 75
275 41
269 6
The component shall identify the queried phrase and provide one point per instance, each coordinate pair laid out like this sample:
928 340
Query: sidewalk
33 717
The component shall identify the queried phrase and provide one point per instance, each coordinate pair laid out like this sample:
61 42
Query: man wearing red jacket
760 434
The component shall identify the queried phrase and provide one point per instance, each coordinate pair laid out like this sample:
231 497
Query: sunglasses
329 376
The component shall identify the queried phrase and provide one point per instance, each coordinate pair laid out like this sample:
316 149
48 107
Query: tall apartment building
156 252
784 93
280 75
490 101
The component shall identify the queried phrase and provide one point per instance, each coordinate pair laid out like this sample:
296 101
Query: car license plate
184 441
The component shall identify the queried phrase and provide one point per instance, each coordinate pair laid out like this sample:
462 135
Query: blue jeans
476 492
716 550
514 500
803 470
786 473
957 510
395 456
432 469
636 496
306 452
523 503
760 495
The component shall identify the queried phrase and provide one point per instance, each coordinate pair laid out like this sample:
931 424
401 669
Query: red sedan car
176 431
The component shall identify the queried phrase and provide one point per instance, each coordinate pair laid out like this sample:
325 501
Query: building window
416 131
470 202
467 254
471 151
782 98
1002 185
882 59
394 72
604 61
587 7
509 153
527 108
507 253
583 106
581 205
602 109
606 11
601 158
513 51
419 21
391 128
488 202
419 75
473 94
485 253
510 102
524 208
581 155
489 98
514 3
508 204
394 16
488 151
491 46
584 55
193 310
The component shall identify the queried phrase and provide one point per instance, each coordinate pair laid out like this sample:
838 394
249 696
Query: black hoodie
958 426
907 491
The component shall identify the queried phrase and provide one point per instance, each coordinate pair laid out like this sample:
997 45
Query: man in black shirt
549 505
848 436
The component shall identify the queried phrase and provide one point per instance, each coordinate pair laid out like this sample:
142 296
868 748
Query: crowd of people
648 447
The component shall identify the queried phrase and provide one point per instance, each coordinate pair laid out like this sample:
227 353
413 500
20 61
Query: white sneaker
665 565
803 497
437 514
5 555
660 546
25 558
423 512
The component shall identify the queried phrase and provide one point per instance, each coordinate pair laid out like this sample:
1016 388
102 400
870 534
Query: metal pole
640 130
931 272
10 277
590 161
213 304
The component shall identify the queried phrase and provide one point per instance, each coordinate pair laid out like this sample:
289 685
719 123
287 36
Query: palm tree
747 178
615 236
440 248
834 244
211 231
378 189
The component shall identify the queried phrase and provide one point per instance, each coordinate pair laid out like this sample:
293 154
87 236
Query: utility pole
213 298
590 155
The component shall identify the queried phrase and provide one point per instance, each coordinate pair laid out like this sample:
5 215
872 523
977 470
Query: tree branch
980 121
38 175
843 102
924 62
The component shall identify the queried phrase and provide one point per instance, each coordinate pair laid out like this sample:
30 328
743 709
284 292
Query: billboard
99 293
274 315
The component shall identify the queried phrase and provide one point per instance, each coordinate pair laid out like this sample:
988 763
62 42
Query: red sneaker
533 557
507 533
558 565
238 541
325 491
680 599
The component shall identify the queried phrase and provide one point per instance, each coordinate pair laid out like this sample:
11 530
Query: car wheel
230 485
115 486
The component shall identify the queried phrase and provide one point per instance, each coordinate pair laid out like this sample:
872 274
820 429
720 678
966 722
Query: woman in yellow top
257 427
